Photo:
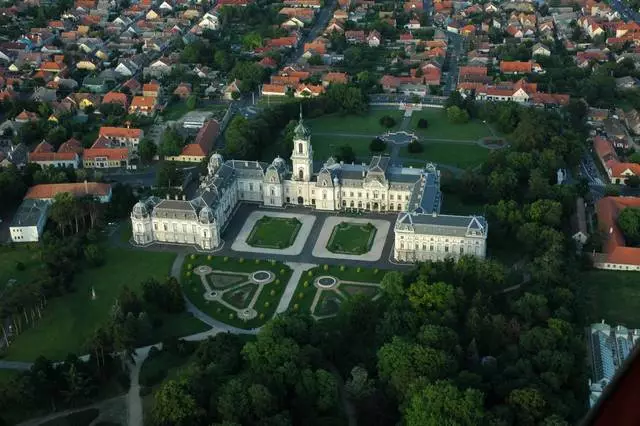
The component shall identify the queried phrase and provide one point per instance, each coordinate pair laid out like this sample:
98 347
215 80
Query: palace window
273 192
155 226
402 245
359 194
184 228
431 247
250 187
193 229
461 250
324 195
205 233
164 225
299 148
406 198
446 249
175 227
301 174
351 194
391 197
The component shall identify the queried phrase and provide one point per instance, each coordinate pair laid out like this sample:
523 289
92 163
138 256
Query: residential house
151 89
44 155
143 105
519 67
183 91
618 172
540 49
616 255
95 84
274 90
374 38
335 77
627 83
210 21
116 98
232 90
632 121
122 137
126 68
308 90
132 85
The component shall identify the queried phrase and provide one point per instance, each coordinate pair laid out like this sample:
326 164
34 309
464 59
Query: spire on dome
301 132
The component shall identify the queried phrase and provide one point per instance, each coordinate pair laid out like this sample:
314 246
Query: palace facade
420 231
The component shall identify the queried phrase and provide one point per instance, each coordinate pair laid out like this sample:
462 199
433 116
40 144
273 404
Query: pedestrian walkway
298 269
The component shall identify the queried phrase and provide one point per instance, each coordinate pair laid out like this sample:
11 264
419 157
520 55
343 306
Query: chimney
86 187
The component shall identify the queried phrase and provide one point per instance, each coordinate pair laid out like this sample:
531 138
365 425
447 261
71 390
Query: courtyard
274 232
351 238
240 292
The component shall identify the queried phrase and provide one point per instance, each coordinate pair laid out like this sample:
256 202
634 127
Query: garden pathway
134 401
298 269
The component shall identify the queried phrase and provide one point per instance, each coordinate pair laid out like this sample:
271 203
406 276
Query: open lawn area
68 321
274 232
612 296
439 126
10 270
460 155
367 124
266 303
325 146
351 238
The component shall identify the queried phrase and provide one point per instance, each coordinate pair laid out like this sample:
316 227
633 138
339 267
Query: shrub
189 266
415 147
272 292
273 261
300 295
377 145
231 316
266 304
209 257
342 268
423 123
277 281
325 267
375 271
387 121
193 256
310 273
226 259
188 273
359 270
241 260
20 266
305 284
282 271
257 261
261 316
218 310
296 307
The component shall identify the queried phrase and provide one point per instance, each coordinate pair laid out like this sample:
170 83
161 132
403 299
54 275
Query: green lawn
267 301
325 146
460 155
68 321
9 258
439 126
351 238
274 232
612 296
367 124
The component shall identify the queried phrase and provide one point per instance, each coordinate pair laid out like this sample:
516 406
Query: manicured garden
455 154
613 296
267 300
306 291
439 127
274 232
68 321
367 124
325 146
351 238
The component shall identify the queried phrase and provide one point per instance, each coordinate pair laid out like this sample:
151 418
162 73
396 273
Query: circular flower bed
326 282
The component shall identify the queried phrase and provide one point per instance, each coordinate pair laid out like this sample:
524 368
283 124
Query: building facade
421 232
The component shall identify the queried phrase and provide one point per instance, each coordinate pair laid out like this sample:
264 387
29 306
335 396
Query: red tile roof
80 189
516 67
109 153
120 132
608 209
204 140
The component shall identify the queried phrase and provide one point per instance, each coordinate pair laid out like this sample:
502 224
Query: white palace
420 231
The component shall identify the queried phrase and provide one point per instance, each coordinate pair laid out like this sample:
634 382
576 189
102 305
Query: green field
612 296
460 155
274 232
266 303
367 124
439 126
9 258
69 320
351 238
325 146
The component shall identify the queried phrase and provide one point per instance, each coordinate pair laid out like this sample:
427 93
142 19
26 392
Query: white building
420 232
28 222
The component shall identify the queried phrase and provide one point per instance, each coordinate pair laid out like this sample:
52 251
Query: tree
173 405
529 403
359 386
192 102
387 121
172 143
423 123
415 147
147 150
455 115
315 60
93 255
441 403
392 285
629 223
169 176
633 181
345 153
377 145
635 157
64 211
240 138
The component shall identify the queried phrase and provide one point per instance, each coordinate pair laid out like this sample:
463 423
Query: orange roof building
80 189
120 133
616 254
116 98
143 105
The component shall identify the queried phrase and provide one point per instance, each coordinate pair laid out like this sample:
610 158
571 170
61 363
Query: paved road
322 19
455 50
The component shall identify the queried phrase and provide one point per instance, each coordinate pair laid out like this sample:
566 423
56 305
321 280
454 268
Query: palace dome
140 210
206 215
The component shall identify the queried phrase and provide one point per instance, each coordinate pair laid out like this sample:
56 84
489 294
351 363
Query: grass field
460 155
439 126
68 321
326 146
266 303
367 124
9 258
274 232
351 238
612 296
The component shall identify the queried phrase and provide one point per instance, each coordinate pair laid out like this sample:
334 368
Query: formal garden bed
236 302
274 232
351 238
349 281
